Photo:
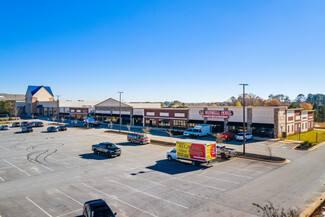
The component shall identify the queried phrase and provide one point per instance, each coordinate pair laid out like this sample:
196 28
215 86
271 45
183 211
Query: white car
4 127
188 132
240 136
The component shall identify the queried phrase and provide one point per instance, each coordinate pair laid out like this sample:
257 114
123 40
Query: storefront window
164 123
179 124
150 122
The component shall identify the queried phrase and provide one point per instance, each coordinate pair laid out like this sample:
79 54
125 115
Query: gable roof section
35 89
114 101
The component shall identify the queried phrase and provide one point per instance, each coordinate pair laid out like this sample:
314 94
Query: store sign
216 114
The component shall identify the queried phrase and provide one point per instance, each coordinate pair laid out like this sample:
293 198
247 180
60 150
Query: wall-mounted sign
216 114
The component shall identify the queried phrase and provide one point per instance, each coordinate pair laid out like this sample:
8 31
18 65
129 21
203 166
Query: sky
163 50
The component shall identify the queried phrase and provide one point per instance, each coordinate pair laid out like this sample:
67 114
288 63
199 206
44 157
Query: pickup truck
225 152
106 148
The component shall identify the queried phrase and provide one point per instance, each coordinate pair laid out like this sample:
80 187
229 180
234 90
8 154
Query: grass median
314 136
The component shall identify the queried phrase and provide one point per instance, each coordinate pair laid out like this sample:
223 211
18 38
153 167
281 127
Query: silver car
4 127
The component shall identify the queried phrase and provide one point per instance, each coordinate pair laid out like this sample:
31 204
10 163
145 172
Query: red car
227 136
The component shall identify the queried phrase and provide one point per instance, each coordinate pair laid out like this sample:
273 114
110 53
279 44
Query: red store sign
216 114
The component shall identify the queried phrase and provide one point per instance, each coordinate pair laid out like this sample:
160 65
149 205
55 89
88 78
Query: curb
312 207
285 161
310 149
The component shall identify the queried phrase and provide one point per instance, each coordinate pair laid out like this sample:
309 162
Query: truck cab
171 155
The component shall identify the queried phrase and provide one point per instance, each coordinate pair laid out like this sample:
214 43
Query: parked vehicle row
56 129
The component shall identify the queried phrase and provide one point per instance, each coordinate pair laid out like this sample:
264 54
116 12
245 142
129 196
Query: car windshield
111 146
143 136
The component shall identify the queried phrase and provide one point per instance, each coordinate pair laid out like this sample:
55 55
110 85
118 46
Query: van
138 138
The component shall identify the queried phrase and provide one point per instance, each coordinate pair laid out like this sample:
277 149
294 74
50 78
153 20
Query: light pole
244 127
57 106
120 110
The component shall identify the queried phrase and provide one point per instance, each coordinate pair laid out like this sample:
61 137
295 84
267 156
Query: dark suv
97 208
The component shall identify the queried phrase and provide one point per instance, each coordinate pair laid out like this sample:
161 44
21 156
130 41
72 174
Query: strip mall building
271 122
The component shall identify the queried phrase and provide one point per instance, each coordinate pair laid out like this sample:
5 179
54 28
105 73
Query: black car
97 208
39 124
62 128
27 129
107 148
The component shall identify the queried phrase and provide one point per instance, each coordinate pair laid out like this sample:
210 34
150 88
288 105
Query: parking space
63 174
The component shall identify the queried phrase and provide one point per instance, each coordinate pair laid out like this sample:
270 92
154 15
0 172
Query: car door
173 153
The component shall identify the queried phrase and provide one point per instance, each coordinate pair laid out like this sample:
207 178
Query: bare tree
129 127
268 148
269 210
146 130
170 135
218 138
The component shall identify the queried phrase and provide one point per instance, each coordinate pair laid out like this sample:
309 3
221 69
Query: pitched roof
34 89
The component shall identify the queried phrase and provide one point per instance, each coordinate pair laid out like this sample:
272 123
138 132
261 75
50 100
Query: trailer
195 151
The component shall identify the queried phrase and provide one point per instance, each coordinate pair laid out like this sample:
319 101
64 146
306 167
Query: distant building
40 100
12 97
78 109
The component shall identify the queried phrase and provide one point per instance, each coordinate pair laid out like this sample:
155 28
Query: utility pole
120 110
244 127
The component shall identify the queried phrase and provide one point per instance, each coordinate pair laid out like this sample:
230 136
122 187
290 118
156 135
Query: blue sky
191 51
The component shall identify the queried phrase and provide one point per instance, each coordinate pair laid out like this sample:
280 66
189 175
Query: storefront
167 118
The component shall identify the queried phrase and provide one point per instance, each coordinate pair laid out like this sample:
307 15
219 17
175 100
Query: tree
238 104
293 105
306 106
273 102
300 98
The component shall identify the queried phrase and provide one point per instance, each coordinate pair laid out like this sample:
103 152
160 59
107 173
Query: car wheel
223 156
109 155
170 158
95 152
130 140
141 143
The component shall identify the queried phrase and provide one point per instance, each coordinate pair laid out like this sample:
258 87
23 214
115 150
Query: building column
249 119
131 118
225 122
205 119
276 123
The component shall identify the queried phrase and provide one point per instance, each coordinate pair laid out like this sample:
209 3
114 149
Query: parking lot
53 174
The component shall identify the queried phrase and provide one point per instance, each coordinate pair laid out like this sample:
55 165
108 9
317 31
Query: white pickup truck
225 152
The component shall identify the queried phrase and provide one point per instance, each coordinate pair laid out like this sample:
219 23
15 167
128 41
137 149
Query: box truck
193 150
201 130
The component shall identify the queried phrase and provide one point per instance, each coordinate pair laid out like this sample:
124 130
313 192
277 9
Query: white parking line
2 179
115 198
240 168
232 174
47 167
17 167
5 148
176 189
223 180
77 210
38 206
208 186
168 201
70 197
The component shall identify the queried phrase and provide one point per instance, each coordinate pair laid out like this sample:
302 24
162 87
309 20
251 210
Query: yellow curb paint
313 206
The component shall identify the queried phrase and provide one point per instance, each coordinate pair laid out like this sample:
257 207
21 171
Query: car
31 124
15 124
227 136
240 136
97 208
24 124
39 124
188 132
138 138
106 148
26 129
52 129
4 127
62 128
